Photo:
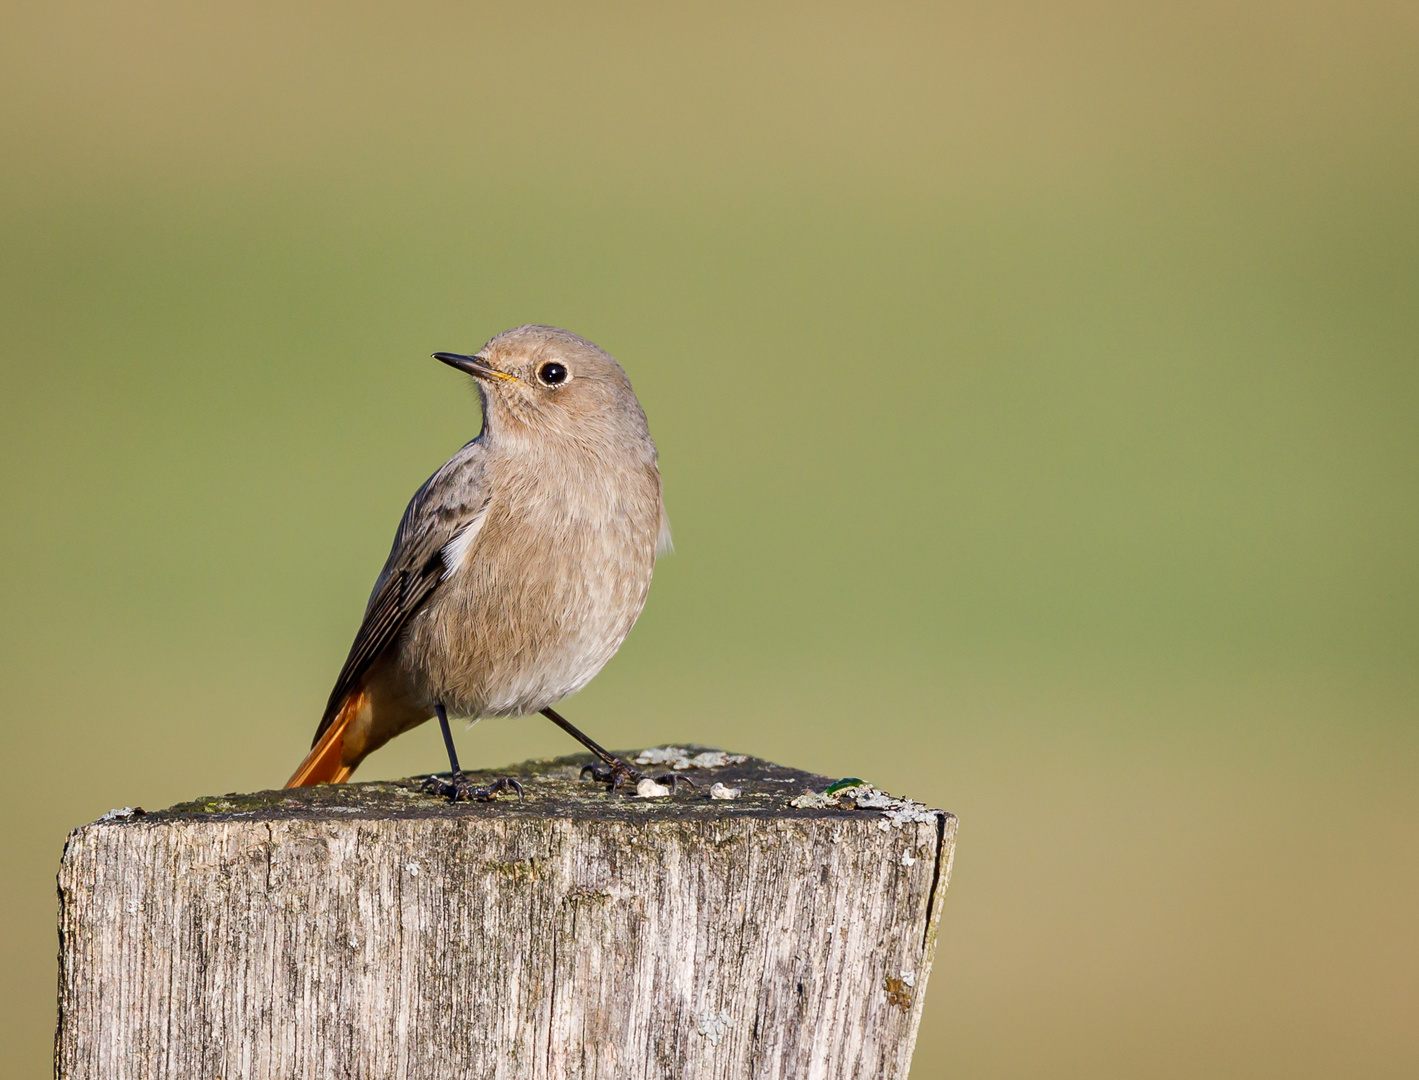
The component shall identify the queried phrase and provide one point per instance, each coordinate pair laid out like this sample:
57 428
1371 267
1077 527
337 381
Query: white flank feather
455 552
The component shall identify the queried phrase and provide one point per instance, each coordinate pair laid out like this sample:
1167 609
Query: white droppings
713 1026
649 789
909 977
719 791
121 813
908 859
413 869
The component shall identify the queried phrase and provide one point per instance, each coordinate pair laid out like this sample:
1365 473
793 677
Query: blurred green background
1036 388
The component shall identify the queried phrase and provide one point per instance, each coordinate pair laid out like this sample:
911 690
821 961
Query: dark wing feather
446 503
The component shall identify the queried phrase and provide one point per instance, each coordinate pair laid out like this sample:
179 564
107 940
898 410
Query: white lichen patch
816 800
122 813
719 791
647 788
713 1026
896 812
679 758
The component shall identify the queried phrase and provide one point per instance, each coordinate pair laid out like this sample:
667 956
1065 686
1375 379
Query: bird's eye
552 373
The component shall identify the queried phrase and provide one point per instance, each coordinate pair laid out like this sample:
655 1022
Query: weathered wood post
374 931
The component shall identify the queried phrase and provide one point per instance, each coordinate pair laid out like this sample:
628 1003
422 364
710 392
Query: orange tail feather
324 765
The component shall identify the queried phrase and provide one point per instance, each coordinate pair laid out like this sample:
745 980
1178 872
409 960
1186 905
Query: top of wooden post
553 787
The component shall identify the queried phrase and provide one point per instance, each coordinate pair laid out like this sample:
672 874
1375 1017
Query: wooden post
377 932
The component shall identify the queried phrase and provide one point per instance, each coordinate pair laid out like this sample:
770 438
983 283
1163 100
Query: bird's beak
474 365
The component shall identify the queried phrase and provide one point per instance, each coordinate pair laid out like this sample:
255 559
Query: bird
518 568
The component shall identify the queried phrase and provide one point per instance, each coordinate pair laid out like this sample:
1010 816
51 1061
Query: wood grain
373 931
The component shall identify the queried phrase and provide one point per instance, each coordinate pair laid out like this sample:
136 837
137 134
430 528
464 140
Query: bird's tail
324 764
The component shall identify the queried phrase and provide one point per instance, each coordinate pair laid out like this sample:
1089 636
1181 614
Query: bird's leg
612 771
458 788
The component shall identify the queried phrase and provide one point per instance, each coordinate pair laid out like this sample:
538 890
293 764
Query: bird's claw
460 789
618 773
613 775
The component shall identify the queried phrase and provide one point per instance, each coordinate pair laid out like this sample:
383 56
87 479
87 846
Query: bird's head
538 383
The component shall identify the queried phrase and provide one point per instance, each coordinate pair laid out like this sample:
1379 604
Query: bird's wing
434 536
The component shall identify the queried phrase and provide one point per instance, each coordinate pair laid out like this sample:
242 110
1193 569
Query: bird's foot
617 773
460 789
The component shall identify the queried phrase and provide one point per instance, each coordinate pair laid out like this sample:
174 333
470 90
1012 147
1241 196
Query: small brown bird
518 568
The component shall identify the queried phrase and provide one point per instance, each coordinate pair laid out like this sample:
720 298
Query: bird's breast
548 590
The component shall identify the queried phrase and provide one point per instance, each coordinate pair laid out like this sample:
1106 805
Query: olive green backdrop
1036 388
